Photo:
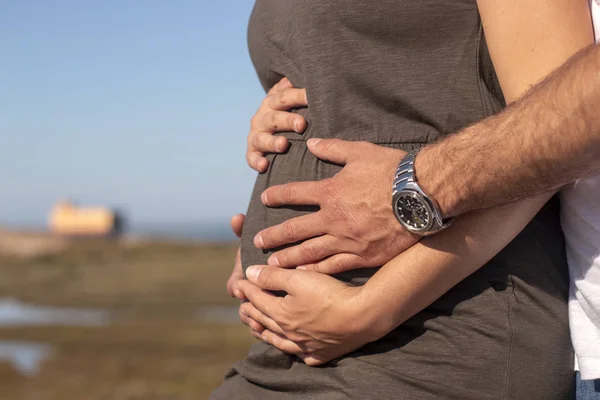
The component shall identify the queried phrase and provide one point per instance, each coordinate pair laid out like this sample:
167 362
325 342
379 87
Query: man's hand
319 319
237 223
355 226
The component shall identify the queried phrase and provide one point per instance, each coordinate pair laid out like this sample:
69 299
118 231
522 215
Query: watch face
413 211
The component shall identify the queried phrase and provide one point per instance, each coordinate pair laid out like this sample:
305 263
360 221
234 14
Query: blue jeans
587 390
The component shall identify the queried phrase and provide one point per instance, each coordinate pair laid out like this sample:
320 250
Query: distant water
201 231
212 231
220 314
26 357
16 313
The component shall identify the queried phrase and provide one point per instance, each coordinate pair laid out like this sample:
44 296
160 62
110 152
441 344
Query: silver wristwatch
417 212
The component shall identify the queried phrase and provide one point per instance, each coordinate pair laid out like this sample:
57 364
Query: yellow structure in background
69 219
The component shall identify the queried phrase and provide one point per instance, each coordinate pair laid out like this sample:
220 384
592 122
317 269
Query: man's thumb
270 278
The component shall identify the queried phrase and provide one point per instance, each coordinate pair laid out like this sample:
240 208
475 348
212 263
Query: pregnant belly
297 164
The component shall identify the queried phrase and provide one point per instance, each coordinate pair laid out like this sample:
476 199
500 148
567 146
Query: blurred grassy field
162 350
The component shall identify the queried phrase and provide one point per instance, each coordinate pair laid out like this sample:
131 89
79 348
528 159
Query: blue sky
140 104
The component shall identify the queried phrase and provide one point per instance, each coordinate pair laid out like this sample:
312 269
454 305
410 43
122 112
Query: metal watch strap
406 178
405 170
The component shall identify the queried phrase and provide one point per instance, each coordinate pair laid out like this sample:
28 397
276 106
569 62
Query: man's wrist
435 180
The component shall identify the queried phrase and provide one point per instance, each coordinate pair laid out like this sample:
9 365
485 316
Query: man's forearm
547 139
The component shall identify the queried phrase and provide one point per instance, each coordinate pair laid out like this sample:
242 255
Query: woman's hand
237 223
274 116
319 319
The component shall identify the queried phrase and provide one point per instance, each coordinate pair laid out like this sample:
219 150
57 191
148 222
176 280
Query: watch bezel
428 208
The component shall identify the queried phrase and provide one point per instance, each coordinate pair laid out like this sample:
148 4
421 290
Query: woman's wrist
377 311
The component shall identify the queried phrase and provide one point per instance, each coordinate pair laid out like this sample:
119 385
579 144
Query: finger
237 223
255 326
256 161
336 150
287 98
266 302
290 231
247 320
312 360
236 275
261 318
281 342
336 264
243 316
295 193
283 83
272 278
309 251
257 335
280 121
265 142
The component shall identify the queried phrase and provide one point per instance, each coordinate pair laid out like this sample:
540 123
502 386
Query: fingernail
302 267
296 123
237 293
313 142
253 272
264 198
262 165
273 260
258 241
279 144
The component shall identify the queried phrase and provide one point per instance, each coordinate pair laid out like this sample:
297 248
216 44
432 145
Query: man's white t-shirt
580 209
